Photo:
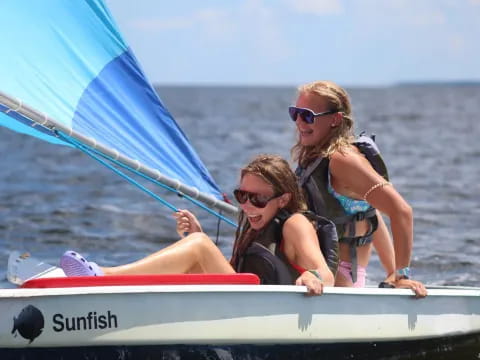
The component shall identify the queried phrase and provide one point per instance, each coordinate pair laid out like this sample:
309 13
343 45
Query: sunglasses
306 115
257 200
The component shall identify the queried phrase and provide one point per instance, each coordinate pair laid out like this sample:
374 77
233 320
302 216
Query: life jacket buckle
363 240
360 216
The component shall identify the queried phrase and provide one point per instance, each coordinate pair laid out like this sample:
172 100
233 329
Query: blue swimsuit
351 206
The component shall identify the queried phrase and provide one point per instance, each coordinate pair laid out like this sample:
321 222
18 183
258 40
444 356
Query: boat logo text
91 321
30 322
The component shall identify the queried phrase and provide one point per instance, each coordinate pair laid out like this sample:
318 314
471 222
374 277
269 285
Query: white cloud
204 17
428 17
215 24
402 12
263 29
155 24
253 23
316 7
457 43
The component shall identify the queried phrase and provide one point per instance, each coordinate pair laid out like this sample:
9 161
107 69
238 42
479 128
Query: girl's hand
187 223
313 283
401 283
417 287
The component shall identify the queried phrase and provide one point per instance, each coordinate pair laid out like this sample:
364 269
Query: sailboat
68 77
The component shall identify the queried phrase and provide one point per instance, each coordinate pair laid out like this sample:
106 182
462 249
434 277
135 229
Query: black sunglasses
306 115
257 200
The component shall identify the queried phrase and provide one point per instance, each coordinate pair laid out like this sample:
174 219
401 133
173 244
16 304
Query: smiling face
316 133
259 217
270 177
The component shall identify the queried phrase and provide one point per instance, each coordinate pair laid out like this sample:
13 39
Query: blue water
54 198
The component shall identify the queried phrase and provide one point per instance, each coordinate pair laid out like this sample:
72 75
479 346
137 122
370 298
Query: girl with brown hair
274 239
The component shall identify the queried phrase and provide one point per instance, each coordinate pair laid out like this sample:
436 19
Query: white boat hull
233 315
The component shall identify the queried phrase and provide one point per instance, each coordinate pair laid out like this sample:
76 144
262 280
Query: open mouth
254 218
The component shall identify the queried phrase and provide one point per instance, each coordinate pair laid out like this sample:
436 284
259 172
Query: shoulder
346 154
297 223
349 158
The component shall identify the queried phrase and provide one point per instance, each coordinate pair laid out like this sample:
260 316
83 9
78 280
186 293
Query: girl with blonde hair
341 184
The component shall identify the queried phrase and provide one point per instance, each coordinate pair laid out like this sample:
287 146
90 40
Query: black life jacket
327 237
314 181
264 257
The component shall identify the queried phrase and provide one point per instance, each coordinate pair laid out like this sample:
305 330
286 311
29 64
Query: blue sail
68 60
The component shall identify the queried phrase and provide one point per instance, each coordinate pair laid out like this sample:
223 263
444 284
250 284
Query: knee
200 243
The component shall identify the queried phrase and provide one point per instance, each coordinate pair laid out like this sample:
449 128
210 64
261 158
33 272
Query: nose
246 205
297 118
299 121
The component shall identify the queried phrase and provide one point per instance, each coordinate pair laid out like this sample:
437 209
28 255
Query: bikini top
351 206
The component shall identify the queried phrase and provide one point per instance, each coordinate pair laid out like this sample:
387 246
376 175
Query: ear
336 119
284 200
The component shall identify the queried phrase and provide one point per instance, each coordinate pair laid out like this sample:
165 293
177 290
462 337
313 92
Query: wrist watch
403 273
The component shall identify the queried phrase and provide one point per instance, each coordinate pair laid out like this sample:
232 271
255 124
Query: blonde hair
275 171
341 136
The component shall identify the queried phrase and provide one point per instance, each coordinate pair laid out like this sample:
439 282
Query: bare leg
383 245
195 253
342 281
363 257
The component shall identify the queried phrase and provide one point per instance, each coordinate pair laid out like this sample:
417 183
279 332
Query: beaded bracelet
376 186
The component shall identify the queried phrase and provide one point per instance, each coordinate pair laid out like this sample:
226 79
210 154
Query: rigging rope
95 154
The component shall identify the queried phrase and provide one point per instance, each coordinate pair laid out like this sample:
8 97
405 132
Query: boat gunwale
225 288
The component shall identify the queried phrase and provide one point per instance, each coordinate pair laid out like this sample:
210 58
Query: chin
307 141
257 225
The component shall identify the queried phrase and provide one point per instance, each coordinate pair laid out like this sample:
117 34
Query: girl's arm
354 176
302 247
384 247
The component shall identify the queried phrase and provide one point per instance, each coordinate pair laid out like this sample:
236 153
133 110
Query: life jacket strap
342 220
305 173
355 241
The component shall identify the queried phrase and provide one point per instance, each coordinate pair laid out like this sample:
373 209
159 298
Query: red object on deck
158 279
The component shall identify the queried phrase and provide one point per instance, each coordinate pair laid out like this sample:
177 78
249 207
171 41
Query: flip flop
74 264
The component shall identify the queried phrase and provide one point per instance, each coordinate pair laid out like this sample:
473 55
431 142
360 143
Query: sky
288 42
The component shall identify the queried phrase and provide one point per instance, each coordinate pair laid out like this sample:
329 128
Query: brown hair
341 136
275 171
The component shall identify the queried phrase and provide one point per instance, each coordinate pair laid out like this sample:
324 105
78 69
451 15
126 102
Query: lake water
54 198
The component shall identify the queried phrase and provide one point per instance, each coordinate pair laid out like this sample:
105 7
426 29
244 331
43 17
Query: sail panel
55 50
130 118
68 60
